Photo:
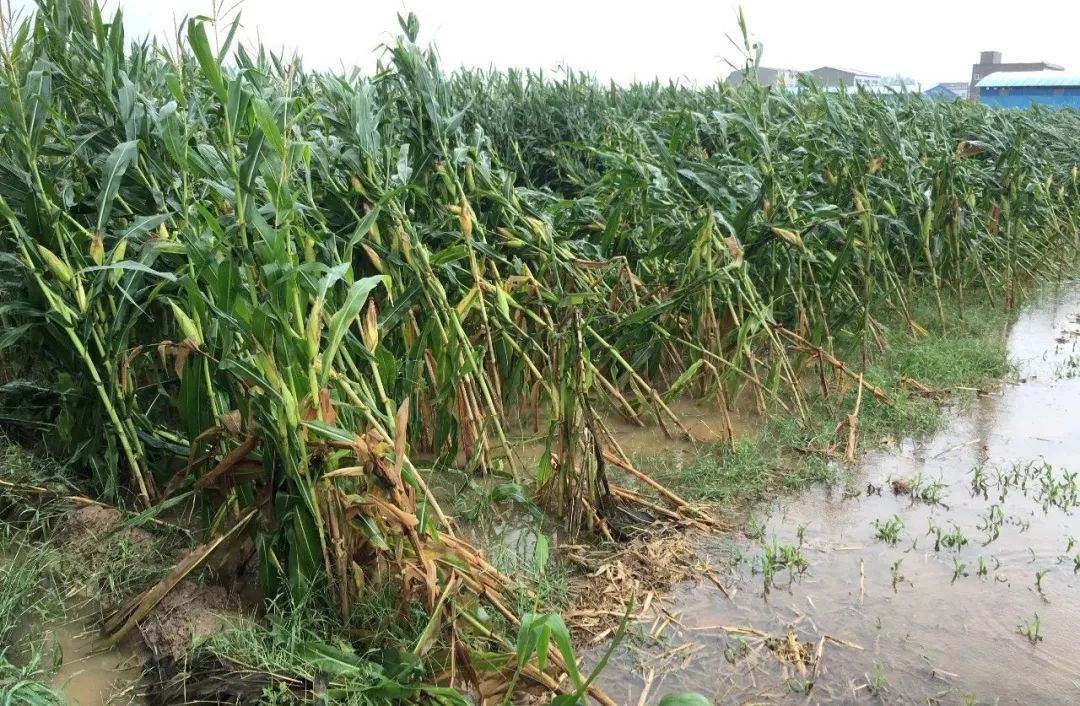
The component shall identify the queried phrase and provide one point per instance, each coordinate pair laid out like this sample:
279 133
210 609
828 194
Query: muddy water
61 635
940 628
91 674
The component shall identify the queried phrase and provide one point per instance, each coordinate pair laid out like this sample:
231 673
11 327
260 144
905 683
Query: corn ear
56 266
97 249
187 325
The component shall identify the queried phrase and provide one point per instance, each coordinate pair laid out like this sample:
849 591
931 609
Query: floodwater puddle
82 667
90 673
957 583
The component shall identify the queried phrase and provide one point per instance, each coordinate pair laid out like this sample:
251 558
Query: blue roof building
947 91
1022 89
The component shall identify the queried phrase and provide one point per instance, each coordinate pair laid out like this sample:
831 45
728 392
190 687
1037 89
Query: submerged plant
1029 628
877 681
777 557
736 650
991 523
1039 575
979 485
889 530
927 491
954 539
894 572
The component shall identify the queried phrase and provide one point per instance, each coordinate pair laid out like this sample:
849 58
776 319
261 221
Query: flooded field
943 571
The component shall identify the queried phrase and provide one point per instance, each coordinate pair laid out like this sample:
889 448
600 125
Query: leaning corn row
270 285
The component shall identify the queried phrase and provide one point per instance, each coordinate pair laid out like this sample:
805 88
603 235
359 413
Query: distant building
990 63
948 91
1012 89
766 77
880 89
830 76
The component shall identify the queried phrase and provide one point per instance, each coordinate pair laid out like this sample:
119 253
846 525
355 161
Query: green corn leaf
329 431
269 125
365 524
208 62
130 266
336 662
305 554
540 554
13 334
116 164
347 313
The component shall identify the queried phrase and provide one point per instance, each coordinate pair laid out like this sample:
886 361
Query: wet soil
987 545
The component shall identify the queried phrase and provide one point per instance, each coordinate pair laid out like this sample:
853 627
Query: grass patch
539 583
966 352
94 551
297 656
23 672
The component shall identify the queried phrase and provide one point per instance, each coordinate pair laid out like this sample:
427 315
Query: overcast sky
930 40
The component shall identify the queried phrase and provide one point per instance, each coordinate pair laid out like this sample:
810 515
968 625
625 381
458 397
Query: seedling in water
777 557
936 531
929 492
889 531
978 482
954 539
738 649
894 570
959 570
980 567
1038 579
877 682
1030 629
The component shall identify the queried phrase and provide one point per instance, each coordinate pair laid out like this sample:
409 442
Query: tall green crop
273 285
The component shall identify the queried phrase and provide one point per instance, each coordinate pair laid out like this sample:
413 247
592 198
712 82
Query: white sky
930 40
